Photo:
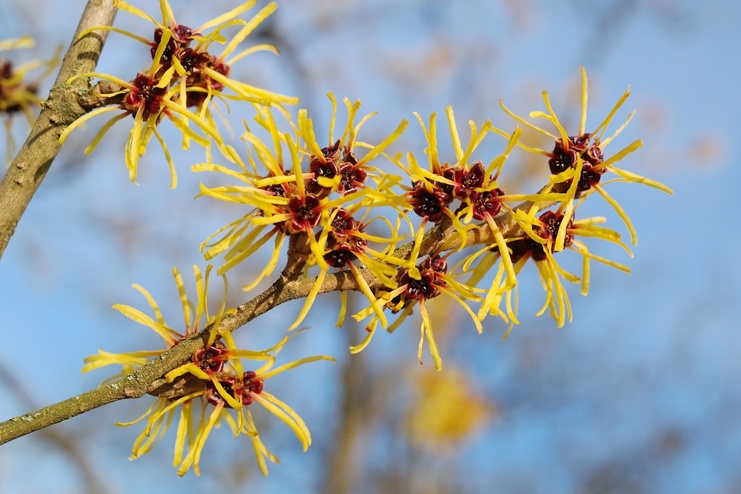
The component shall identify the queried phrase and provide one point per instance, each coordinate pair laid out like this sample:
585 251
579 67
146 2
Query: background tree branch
61 109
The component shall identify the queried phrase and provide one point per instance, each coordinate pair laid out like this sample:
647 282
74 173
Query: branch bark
289 286
61 108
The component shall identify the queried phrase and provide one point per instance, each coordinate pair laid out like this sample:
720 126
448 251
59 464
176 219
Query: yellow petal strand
271 263
185 369
183 297
292 365
375 305
301 433
228 16
309 300
141 318
249 27
525 122
353 135
244 249
607 141
412 262
476 138
133 10
465 306
168 158
205 127
620 155
384 144
149 410
454 133
432 140
161 47
250 51
606 121
84 118
103 130
583 121
546 281
582 249
498 162
504 252
558 269
348 134
251 93
201 440
554 119
180 438
370 330
619 210
306 127
343 310
228 240
641 180
493 297
115 30
131 154
151 302
24 42
585 276
222 392
427 332
107 77
481 269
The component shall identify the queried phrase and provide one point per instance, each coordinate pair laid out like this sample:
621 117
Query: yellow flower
541 235
213 380
148 98
429 280
474 185
17 94
180 76
202 74
336 168
297 200
577 162
196 317
234 388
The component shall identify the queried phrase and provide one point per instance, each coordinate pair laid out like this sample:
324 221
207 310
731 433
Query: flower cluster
460 200
312 202
214 379
17 93
342 215
183 74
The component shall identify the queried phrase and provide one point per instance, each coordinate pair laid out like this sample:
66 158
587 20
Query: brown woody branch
289 286
61 109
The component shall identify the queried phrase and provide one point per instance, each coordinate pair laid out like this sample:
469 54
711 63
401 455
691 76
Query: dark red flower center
145 95
306 212
428 204
548 229
211 359
579 147
430 283
486 203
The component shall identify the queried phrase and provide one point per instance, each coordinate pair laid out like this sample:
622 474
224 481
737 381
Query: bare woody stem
289 286
62 108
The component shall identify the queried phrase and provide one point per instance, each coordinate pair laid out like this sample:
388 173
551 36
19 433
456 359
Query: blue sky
650 358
